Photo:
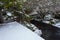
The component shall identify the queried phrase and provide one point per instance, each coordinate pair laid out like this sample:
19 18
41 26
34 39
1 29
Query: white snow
57 25
48 17
9 14
39 32
16 31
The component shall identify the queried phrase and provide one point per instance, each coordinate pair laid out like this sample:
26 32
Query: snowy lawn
16 31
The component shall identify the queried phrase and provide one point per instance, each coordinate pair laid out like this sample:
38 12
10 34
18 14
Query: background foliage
23 11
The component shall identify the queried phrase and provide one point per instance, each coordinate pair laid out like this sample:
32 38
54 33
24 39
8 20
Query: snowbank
16 31
57 25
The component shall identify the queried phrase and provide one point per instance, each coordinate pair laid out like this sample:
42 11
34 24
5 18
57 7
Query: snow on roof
16 31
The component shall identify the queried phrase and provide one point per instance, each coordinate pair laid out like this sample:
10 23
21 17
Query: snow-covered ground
57 25
39 32
16 31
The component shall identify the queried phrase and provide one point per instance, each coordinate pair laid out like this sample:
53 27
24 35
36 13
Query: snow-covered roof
16 31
